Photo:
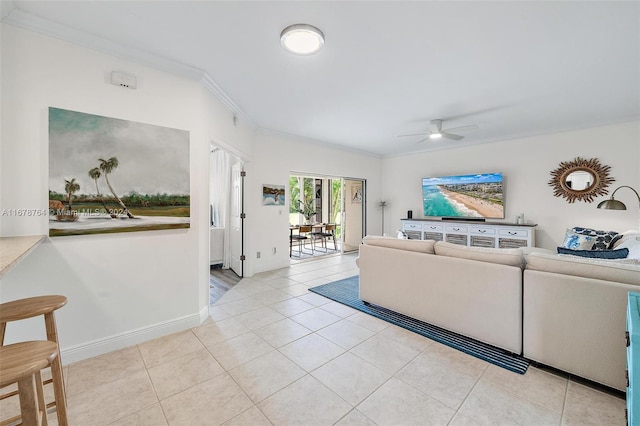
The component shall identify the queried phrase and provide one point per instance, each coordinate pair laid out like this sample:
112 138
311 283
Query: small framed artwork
356 193
272 195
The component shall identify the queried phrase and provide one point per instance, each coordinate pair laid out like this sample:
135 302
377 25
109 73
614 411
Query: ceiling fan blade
412 134
423 139
452 136
469 127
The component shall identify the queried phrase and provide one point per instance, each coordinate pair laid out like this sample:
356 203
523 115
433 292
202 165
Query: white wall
526 164
275 157
122 288
127 288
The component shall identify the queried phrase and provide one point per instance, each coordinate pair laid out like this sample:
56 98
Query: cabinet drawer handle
626 336
513 233
432 227
456 229
482 231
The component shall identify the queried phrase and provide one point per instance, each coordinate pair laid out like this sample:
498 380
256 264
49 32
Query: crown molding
18 18
213 87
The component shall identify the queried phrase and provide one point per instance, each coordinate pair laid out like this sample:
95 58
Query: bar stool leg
29 408
42 405
56 371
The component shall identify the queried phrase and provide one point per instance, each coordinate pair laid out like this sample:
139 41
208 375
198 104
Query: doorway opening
226 223
327 215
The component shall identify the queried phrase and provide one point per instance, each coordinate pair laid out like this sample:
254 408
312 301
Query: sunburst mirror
581 180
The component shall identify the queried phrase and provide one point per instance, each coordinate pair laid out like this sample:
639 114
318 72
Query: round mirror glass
579 180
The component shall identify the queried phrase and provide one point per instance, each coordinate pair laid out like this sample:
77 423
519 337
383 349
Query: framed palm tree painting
111 175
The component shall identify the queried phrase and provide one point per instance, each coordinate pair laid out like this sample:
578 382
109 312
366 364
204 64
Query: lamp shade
612 204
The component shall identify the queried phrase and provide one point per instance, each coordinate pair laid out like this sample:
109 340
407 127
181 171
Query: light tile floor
273 353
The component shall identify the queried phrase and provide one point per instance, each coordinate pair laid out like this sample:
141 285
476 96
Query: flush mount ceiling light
302 39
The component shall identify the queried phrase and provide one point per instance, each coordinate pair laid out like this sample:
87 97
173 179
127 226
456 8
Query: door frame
217 143
342 198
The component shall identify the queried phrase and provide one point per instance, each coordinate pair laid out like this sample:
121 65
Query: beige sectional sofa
476 298
565 312
575 315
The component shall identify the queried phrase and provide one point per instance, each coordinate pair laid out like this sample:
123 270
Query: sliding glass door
333 200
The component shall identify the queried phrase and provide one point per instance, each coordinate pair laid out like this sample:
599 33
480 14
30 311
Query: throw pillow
602 240
626 236
596 254
633 245
575 241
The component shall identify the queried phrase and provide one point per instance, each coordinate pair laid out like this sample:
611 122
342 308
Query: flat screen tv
478 196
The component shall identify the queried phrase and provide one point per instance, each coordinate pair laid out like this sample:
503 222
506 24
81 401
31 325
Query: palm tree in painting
95 175
107 166
71 187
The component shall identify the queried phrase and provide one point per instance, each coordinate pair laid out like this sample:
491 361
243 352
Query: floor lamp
613 204
382 205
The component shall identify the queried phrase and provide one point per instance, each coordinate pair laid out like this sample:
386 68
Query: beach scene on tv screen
473 196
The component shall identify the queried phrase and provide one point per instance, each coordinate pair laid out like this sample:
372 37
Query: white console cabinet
471 233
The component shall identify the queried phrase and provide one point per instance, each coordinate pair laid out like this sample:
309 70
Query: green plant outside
294 196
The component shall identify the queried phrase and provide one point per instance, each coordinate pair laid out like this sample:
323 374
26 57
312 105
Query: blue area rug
346 292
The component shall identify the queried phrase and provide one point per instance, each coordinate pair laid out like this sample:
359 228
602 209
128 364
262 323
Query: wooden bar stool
31 307
21 363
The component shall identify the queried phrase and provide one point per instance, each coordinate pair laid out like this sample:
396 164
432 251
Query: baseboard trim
272 266
204 314
130 338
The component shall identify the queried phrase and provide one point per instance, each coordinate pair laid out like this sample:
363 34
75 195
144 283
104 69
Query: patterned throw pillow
574 241
589 239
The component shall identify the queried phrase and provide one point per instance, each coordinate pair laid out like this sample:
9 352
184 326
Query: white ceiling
388 67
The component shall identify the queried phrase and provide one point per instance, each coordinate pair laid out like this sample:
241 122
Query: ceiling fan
435 131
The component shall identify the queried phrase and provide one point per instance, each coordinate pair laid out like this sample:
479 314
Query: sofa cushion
511 257
620 253
608 270
421 246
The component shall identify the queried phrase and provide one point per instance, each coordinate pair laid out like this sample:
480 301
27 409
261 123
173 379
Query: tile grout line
467 396
564 401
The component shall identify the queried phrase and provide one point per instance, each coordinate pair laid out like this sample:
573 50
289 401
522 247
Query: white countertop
14 249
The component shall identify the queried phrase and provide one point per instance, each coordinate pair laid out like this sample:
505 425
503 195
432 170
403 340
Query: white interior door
235 231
